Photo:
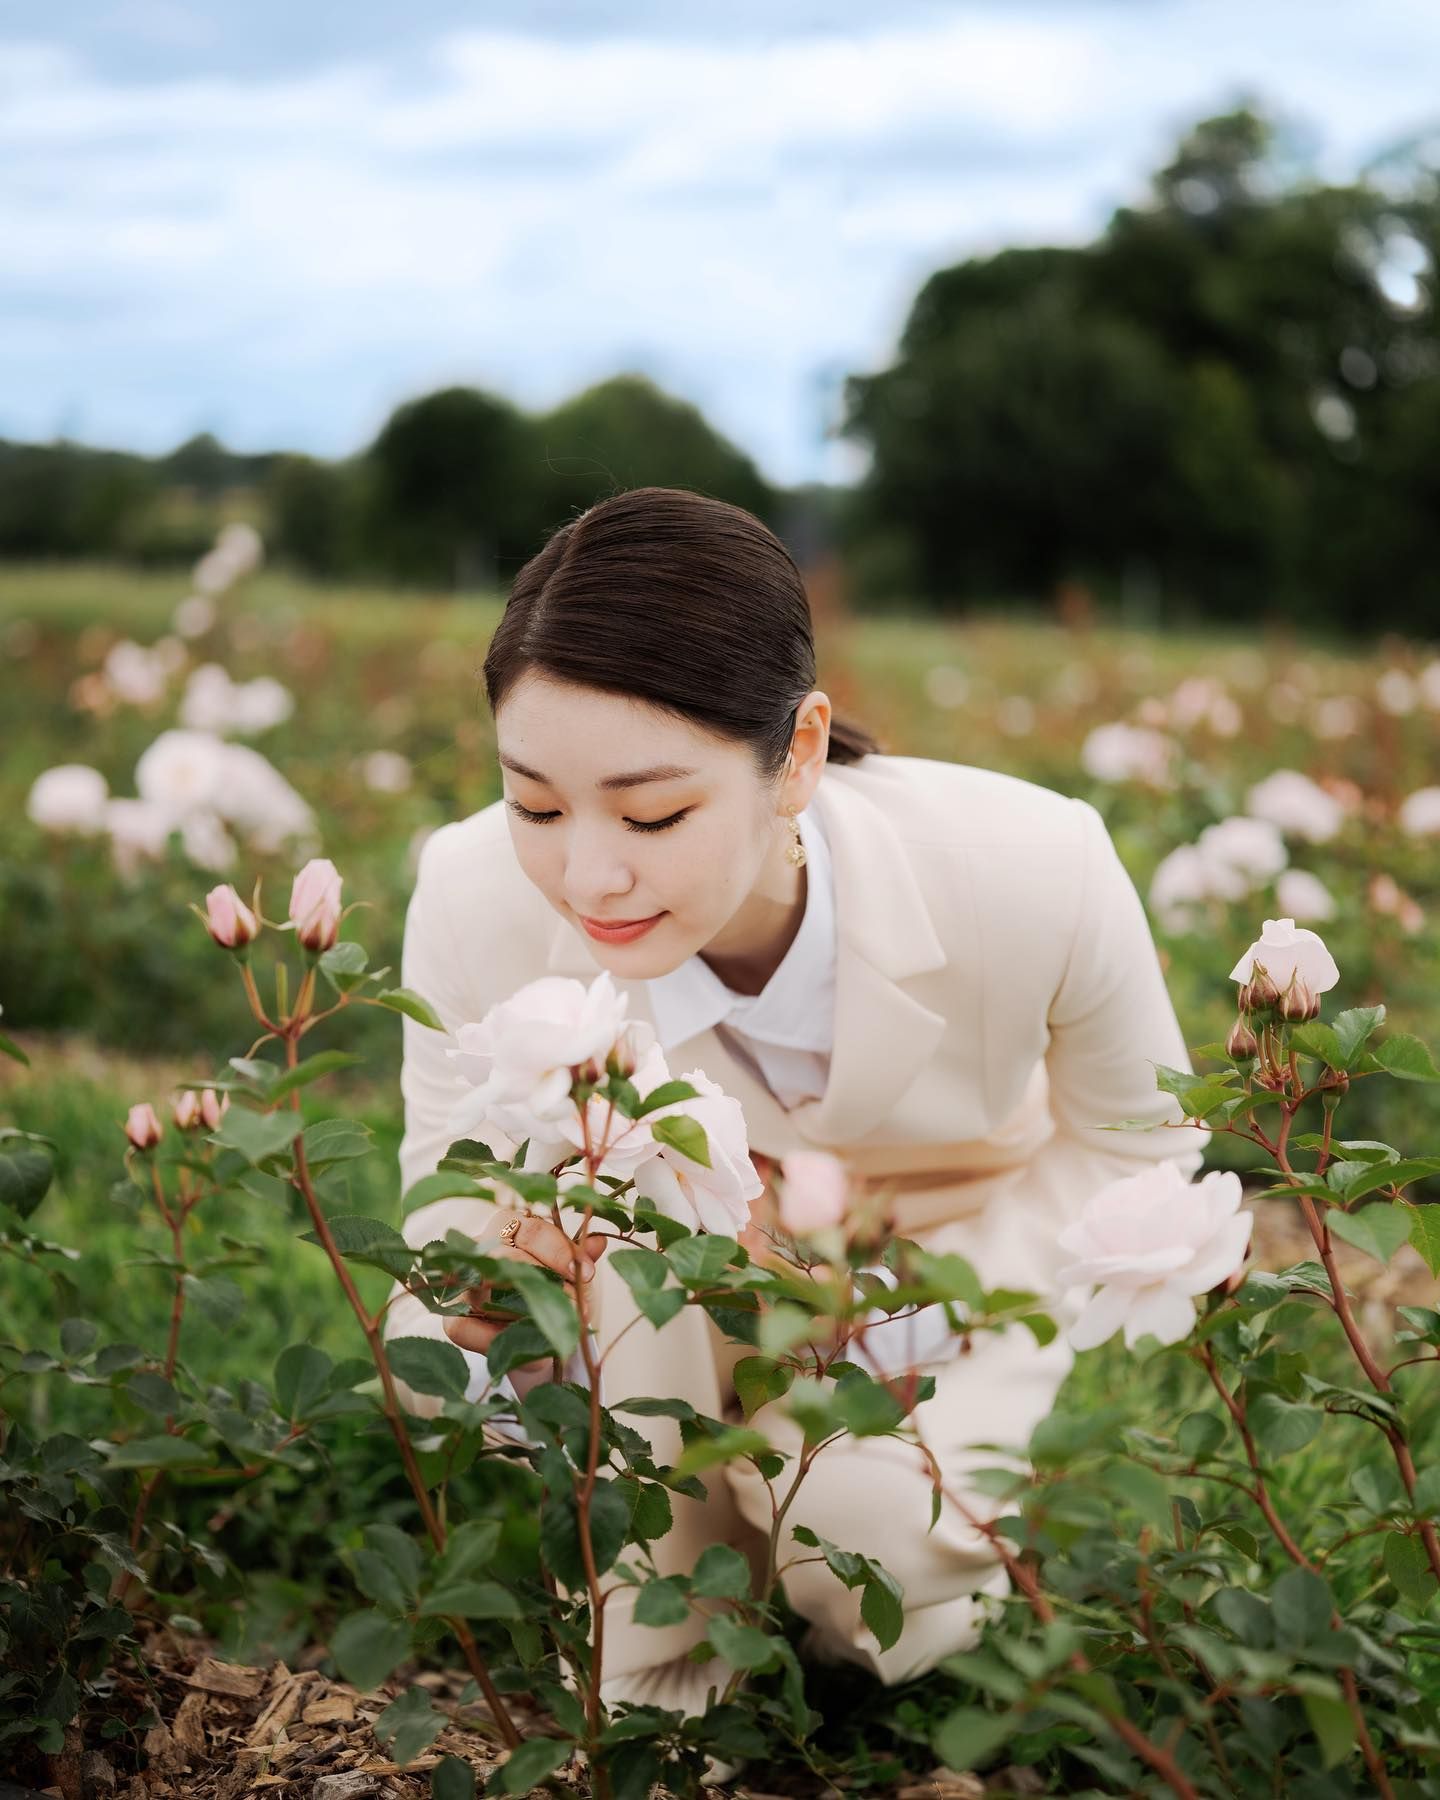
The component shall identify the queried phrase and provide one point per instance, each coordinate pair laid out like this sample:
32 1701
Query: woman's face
719 849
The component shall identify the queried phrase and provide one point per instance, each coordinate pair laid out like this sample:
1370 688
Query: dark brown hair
676 599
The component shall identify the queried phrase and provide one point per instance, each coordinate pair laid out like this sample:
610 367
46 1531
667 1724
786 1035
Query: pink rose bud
315 904
141 1126
1299 1002
213 1110
1241 1042
814 1191
186 1110
231 922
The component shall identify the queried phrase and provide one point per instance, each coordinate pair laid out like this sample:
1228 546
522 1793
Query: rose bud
1299 1002
213 1110
186 1110
315 904
1258 994
141 1126
1241 1042
229 920
814 1191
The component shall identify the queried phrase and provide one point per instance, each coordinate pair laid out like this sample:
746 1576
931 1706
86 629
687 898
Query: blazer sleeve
1110 1020
432 966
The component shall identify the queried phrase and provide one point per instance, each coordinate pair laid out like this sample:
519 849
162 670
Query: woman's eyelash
543 818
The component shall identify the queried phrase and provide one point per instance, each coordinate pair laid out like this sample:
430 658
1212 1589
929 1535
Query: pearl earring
795 852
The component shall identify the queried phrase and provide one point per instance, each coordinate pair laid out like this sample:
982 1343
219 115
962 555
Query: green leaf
530 1764
217 1298
866 1406
1320 1041
1200 1435
399 1550
1352 1028
407 1001
468 1548
154 1393
429 1366
969 1735
1425 1235
1282 1426
699 1260
76 1337
679 1132
1378 1229
163 1452
409 1725
1407 1058
471 1600
326 1063
708 1452
1245 1614
1408 1566
301 1375
1143 1489
444 1184
882 1604
549 1306
378 1580
760 1379
355 1234
721 1573
367 1646
343 965
257 1136
742 1646
452 1778
560 1531
26 1170
1370 1176
334 1140
1301 1605
1334 1727
662 1602
1378 1488
667 1094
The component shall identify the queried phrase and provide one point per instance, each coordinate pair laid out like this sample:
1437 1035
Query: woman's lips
619 933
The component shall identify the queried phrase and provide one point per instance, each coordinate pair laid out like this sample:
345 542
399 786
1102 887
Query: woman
941 974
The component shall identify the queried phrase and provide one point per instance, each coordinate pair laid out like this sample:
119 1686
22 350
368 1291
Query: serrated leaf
669 1093
528 1765
313 1067
760 1379
301 1375
1425 1234
701 1259
722 1573
367 1646
742 1646
413 1005
1353 1027
471 1599
257 1136
882 1604
26 1171
343 965
679 1132
429 1366
335 1140
1408 1566
1406 1057
1378 1229
969 1735
409 1724
1282 1426
549 1306
1300 1605
218 1298
662 1602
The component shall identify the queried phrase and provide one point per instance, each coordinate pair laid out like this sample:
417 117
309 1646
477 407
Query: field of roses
1222 1553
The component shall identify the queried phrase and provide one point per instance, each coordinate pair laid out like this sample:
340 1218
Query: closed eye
544 818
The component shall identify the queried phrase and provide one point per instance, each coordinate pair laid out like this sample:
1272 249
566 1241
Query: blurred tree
314 512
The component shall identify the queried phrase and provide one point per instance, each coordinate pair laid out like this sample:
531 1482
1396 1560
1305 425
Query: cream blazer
998 1001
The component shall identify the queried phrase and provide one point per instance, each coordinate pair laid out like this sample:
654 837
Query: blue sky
277 218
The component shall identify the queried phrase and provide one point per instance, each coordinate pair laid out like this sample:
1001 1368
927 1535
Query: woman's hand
535 1240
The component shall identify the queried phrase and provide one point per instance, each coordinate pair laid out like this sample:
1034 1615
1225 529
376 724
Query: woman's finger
471 1334
539 1241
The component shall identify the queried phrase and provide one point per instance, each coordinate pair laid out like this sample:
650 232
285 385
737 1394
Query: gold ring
511 1230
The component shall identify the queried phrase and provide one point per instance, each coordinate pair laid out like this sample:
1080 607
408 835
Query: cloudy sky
274 219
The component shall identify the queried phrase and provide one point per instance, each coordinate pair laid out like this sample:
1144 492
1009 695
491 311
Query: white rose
714 1199
1252 848
69 797
139 830
183 772
627 1142
1121 752
1151 1242
1297 805
1304 896
1284 949
1419 814
518 1060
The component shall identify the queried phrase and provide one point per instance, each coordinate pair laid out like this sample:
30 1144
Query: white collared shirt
786 1030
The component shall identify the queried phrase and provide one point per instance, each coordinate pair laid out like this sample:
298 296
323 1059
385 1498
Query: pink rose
186 1110
213 1110
1285 949
814 1192
231 922
141 1126
315 904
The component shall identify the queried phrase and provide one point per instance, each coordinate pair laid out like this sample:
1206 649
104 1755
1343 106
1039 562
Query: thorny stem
1259 1492
375 1341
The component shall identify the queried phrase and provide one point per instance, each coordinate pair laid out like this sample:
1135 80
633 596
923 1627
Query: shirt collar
794 1008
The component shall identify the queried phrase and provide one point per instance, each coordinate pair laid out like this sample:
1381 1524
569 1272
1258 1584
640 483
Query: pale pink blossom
1298 805
315 904
185 1110
141 1126
814 1191
1122 752
1302 895
1151 1242
231 922
1284 949
69 797
213 1107
1419 814
716 1198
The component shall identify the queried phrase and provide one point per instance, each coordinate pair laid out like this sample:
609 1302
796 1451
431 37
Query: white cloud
283 256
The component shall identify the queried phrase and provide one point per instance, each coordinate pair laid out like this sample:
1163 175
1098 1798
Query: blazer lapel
883 1035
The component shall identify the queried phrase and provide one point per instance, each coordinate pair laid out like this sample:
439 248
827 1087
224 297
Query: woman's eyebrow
635 777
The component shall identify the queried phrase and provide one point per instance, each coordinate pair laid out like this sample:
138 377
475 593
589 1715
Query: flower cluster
519 1068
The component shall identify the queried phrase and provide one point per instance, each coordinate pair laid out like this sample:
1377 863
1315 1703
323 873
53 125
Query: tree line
1228 403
